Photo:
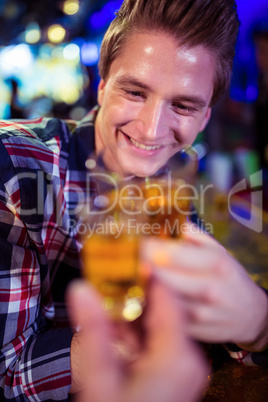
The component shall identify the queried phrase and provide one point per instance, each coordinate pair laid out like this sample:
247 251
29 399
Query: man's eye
135 94
183 108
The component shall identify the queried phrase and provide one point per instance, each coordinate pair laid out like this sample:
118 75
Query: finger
209 333
173 254
196 235
171 360
164 320
191 234
84 306
208 323
98 361
199 288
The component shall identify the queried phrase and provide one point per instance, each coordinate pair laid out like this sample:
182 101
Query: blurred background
49 51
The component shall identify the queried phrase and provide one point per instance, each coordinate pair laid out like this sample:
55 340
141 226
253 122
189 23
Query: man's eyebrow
197 101
193 99
128 80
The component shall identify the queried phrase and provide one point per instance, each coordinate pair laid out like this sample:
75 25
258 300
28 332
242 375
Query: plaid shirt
43 178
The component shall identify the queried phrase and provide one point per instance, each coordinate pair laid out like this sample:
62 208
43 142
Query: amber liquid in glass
111 260
111 265
166 210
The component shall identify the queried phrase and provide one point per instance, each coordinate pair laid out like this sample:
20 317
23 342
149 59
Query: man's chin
140 170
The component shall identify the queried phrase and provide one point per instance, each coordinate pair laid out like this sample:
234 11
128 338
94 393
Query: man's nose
153 120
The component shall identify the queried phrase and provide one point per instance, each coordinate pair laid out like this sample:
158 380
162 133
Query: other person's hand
170 368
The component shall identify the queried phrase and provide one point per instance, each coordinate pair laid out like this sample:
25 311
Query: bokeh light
32 33
56 33
70 7
14 59
89 53
71 52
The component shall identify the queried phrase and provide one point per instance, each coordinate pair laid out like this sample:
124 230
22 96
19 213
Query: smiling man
156 106
163 65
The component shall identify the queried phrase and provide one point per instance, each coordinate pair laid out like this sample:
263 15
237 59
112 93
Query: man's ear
101 91
206 119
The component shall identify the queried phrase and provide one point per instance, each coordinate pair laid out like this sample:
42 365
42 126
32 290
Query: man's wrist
260 341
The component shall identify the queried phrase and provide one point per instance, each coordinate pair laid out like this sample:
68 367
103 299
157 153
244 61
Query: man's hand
163 371
222 303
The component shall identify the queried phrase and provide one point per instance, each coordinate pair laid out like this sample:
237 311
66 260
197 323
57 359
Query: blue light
252 14
100 19
237 94
96 21
251 93
89 53
249 11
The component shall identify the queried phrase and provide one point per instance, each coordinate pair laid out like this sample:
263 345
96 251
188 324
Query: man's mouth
143 146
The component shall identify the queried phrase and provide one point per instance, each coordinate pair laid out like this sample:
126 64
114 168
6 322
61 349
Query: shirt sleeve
34 357
248 358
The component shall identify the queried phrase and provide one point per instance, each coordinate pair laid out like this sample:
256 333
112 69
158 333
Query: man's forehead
148 44
155 61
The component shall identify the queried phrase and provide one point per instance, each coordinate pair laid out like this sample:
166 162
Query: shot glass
126 209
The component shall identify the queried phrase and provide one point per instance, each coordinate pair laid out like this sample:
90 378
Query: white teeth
142 146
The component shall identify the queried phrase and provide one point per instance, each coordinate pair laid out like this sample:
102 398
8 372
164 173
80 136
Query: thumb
84 306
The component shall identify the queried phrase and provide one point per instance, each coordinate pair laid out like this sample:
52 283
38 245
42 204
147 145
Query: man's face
154 101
